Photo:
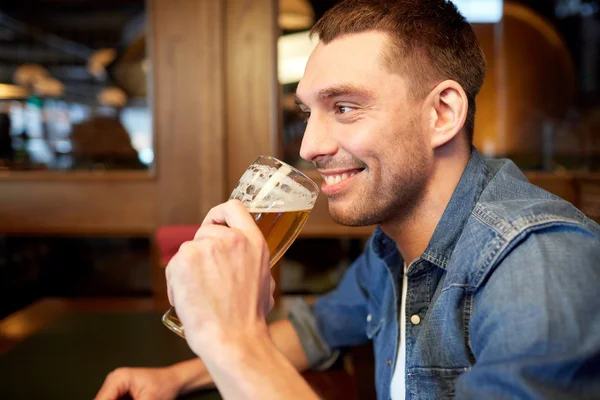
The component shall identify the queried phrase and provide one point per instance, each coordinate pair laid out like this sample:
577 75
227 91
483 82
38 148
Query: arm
193 375
307 339
249 366
221 285
310 339
535 326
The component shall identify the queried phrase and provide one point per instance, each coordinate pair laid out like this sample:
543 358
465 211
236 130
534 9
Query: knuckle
214 208
236 236
235 203
188 251
210 244
238 240
117 373
186 247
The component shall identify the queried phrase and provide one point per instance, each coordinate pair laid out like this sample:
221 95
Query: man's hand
220 282
140 384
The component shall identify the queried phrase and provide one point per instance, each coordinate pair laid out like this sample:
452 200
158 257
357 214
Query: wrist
213 343
190 375
251 366
223 348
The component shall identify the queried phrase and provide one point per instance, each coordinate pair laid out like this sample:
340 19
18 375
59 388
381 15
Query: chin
348 217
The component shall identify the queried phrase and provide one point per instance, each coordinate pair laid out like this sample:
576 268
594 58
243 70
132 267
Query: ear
447 107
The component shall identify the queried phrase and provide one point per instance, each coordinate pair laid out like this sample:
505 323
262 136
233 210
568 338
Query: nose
318 141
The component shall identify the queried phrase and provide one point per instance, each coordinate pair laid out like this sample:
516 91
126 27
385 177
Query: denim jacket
504 303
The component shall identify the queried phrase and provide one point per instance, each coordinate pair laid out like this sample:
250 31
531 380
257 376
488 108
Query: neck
412 233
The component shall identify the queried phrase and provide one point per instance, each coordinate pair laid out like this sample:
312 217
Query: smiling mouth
337 178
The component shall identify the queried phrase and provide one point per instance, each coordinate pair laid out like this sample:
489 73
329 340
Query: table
63 349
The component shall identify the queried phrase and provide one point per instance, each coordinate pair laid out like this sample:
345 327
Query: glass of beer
280 198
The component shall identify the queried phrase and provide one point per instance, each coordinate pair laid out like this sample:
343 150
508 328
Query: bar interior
122 122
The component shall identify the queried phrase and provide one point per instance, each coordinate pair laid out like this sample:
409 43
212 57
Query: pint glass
279 198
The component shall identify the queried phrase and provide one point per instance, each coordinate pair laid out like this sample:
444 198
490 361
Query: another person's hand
220 282
140 384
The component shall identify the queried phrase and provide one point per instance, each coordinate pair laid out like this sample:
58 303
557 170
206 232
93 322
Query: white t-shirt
398 385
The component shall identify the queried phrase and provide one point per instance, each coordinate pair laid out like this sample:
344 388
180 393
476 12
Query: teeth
334 179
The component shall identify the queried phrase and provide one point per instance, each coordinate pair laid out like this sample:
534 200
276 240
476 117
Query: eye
343 109
306 114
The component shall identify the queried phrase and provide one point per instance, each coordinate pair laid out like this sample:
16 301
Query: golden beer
279 228
279 198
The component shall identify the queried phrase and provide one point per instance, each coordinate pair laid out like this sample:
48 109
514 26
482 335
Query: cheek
361 140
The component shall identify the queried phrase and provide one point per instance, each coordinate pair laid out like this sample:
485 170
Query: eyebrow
340 90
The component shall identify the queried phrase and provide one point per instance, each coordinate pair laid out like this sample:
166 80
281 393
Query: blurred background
122 122
121 119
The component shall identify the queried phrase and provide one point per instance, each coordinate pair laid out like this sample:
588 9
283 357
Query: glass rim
296 170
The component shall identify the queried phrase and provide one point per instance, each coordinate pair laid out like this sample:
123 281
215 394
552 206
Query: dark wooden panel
252 108
187 52
252 92
77 206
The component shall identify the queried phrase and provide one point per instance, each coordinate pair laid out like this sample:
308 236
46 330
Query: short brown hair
431 42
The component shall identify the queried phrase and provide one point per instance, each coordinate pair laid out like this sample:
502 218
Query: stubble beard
397 201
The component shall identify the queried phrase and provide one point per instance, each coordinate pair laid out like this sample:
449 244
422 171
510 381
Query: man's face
363 134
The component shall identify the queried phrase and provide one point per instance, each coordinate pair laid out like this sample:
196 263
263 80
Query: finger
170 294
272 285
271 304
112 389
168 281
213 231
272 292
233 214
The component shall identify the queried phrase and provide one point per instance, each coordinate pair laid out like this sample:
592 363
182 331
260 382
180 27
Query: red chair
166 242
169 238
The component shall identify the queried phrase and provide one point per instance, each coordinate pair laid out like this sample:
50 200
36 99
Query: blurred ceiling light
295 15
12 92
99 60
292 52
480 11
112 97
29 74
49 87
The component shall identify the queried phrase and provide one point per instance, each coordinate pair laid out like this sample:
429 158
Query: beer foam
263 187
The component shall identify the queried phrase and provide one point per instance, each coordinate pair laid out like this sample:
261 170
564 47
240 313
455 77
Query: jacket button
389 361
369 318
415 319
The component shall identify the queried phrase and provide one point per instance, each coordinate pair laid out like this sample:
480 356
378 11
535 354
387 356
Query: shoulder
512 206
515 222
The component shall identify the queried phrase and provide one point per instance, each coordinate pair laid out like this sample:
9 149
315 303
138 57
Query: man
475 284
